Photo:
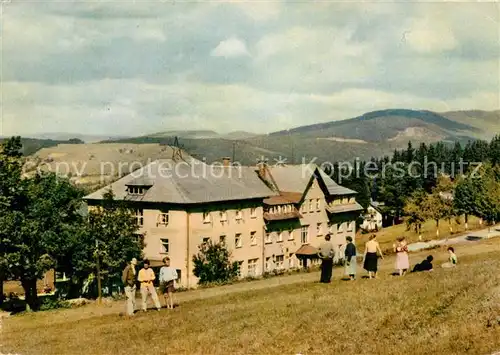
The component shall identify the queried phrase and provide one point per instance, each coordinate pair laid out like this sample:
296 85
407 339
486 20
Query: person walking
402 259
168 276
350 259
370 259
326 252
129 280
146 278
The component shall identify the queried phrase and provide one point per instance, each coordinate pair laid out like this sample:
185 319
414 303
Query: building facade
262 214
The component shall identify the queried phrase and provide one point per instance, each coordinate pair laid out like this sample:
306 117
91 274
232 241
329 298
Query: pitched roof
296 178
284 198
282 216
307 250
352 207
192 181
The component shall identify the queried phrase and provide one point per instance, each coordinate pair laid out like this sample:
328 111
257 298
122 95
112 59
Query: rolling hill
372 134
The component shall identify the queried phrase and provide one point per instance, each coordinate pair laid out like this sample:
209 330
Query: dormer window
136 190
139 186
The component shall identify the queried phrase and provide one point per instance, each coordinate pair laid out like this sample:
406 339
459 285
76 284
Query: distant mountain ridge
372 134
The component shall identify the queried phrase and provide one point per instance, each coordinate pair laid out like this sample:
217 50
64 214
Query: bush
212 264
53 303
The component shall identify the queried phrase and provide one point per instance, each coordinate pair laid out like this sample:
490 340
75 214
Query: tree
39 224
212 264
480 195
11 164
110 235
414 209
439 204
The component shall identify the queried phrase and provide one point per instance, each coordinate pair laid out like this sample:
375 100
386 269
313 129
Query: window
311 206
333 228
280 236
345 200
240 267
341 227
163 218
290 234
238 242
205 240
139 217
291 263
222 240
269 264
350 226
253 238
318 204
268 238
253 212
303 208
223 216
304 234
252 267
318 229
279 262
206 217
165 245
239 215
352 200
134 190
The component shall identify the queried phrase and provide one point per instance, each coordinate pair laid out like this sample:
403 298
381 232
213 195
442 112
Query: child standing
168 275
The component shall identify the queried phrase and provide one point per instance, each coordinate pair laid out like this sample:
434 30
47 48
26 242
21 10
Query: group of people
326 253
146 277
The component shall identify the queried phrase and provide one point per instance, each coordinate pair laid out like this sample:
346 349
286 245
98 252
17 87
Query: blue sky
133 68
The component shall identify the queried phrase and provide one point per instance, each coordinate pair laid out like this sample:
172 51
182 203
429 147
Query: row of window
276 263
280 236
163 217
238 217
311 206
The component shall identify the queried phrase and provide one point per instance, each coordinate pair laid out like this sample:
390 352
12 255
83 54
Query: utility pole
99 290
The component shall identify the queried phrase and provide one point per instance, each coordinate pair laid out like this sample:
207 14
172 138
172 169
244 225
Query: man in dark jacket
326 252
129 278
350 259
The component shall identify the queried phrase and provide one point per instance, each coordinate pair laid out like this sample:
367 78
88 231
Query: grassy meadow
448 311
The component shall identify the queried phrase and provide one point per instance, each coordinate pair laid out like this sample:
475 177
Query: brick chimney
226 161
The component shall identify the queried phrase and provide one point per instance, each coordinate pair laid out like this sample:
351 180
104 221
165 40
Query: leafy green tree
38 225
213 264
111 235
479 195
415 211
11 164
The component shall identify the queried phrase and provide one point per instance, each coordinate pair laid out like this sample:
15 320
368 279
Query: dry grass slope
445 312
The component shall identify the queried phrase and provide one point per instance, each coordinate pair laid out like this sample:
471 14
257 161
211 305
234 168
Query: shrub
53 303
212 264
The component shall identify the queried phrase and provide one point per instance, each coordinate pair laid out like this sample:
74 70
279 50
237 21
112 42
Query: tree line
405 178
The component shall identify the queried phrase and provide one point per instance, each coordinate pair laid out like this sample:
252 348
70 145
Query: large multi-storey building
263 214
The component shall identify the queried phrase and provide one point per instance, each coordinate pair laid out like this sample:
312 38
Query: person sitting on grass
452 261
168 275
425 265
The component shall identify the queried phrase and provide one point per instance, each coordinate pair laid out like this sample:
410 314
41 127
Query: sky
132 68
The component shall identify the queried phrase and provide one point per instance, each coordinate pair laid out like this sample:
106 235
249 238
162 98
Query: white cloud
430 34
231 48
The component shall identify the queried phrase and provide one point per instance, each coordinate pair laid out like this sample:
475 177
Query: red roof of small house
306 250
